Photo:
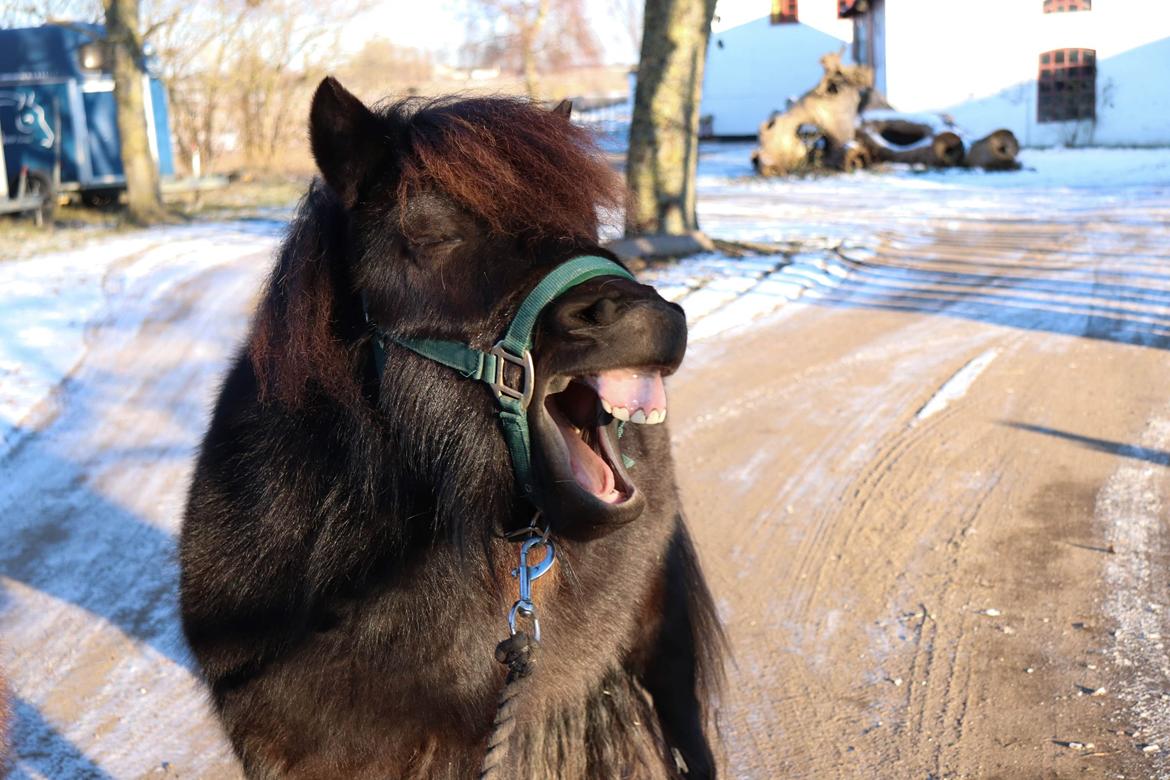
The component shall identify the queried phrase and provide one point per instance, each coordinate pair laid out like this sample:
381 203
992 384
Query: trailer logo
28 119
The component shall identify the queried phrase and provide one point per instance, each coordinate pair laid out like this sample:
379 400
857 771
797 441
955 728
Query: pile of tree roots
844 124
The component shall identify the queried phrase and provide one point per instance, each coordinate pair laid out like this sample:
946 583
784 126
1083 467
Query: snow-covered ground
1092 169
47 304
836 220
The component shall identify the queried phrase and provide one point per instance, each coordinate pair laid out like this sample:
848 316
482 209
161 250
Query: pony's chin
583 488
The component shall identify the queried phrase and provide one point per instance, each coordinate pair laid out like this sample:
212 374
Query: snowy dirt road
925 459
933 496
90 502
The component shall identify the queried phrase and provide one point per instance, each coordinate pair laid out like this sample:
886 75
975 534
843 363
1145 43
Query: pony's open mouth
586 413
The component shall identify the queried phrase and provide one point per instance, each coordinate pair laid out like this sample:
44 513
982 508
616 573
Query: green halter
515 349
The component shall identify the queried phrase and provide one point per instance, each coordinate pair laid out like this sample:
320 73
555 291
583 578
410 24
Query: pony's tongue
635 395
590 469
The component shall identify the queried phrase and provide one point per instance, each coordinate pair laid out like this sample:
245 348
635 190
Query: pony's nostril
603 312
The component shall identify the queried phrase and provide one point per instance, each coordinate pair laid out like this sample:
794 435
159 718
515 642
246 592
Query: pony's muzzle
617 322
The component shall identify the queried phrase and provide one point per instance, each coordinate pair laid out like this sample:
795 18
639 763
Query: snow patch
957 386
936 122
1130 508
719 294
50 302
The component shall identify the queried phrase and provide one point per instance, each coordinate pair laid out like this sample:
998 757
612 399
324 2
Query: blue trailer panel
57 109
104 147
31 126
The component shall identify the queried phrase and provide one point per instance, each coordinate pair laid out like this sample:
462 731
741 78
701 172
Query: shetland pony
345 575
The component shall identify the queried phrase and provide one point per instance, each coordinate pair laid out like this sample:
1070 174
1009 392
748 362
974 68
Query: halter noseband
515 349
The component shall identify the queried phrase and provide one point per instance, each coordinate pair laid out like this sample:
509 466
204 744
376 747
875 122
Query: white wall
760 65
878 31
979 62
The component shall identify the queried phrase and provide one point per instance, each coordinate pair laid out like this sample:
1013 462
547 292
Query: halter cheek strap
515 349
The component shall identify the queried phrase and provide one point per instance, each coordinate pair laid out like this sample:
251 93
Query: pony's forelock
525 171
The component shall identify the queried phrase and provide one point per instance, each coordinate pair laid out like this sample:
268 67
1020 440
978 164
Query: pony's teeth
621 412
638 417
607 406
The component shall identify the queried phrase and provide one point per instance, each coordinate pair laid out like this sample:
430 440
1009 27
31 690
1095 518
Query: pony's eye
427 243
423 249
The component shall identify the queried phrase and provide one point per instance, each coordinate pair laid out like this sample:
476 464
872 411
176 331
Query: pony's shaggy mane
296 337
523 170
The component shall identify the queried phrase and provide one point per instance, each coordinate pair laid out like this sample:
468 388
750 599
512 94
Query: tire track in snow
54 303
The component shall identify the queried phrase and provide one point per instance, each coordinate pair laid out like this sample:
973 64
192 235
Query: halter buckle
523 394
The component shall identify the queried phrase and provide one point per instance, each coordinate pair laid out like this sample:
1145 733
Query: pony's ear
564 109
345 138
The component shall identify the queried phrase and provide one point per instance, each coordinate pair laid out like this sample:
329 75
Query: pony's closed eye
428 243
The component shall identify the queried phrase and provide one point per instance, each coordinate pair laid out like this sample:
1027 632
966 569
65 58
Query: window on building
847 8
1068 85
784 12
1060 6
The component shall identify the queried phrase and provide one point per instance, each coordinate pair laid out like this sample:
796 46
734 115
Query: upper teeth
639 416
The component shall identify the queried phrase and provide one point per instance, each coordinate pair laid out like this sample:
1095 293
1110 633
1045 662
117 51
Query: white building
758 59
1054 72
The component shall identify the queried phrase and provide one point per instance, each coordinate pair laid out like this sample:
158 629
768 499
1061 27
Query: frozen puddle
720 293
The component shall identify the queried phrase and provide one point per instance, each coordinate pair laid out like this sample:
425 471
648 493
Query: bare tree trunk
144 204
664 133
529 35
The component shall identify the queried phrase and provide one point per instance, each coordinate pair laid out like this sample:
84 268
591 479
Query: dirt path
931 497
932 504
88 611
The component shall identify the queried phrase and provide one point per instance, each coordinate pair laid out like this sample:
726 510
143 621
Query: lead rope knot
518 652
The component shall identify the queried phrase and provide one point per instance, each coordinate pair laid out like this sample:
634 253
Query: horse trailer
58 117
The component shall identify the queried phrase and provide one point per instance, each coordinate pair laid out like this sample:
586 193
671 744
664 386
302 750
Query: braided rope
517 652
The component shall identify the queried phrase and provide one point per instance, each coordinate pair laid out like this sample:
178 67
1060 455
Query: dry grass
243 197
72 227
75 225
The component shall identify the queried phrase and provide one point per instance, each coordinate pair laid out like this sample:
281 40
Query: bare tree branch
531 37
